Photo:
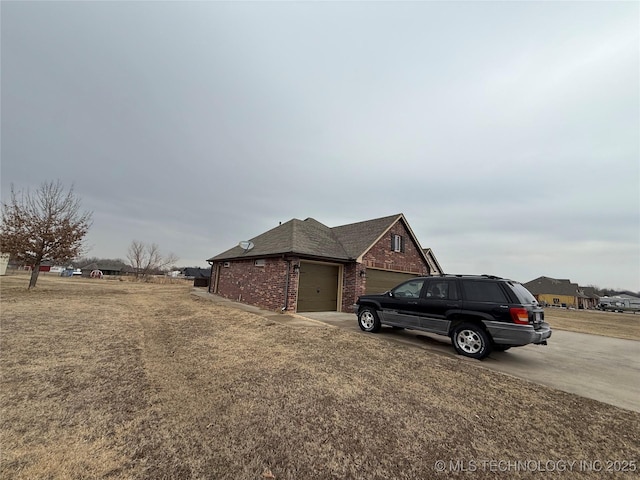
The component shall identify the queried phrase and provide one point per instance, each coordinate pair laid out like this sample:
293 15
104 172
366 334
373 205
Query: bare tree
147 259
44 225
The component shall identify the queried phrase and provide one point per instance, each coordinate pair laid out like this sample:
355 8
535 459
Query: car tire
471 341
368 320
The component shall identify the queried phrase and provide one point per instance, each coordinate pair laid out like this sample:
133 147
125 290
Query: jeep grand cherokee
479 313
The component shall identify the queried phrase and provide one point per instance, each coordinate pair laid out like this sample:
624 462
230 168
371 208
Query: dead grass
609 324
133 380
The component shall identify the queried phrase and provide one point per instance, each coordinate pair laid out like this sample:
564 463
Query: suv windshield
524 296
410 289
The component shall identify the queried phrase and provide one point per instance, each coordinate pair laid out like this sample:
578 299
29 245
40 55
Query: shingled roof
357 238
313 239
547 285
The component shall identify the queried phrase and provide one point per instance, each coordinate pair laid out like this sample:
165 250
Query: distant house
562 293
107 268
589 297
200 276
195 272
304 265
45 268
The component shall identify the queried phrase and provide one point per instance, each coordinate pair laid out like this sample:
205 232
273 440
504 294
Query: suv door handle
504 306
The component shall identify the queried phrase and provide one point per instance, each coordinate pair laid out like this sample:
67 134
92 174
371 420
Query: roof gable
434 266
359 237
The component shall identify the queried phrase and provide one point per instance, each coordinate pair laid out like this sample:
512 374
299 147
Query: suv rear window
524 295
483 291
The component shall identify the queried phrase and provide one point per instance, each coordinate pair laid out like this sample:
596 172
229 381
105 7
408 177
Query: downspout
210 276
286 287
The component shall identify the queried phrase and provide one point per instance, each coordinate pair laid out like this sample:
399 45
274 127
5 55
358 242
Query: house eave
300 255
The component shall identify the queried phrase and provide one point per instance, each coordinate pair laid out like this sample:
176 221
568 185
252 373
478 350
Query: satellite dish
246 245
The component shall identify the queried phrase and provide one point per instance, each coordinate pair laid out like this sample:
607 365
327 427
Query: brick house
303 265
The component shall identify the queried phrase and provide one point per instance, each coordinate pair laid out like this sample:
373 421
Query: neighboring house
562 293
107 268
200 276
192 273
588 298
303 265
45 266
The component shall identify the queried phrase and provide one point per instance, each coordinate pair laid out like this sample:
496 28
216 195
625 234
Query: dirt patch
123 380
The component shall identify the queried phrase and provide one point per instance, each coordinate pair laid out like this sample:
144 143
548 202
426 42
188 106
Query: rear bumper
512 334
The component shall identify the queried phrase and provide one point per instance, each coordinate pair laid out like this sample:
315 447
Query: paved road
602 368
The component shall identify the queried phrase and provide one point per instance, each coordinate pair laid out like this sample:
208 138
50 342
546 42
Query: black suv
480 313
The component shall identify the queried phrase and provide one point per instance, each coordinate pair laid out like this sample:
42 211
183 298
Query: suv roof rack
460 275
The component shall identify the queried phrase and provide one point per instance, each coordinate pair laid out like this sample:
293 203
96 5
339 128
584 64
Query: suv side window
442 290
410 289
482 291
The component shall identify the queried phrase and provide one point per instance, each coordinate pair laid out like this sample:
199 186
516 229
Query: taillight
520 315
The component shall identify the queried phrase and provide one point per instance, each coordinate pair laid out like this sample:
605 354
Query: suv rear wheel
368 320
471 341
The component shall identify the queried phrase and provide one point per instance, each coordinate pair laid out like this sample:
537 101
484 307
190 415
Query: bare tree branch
47 224
147 259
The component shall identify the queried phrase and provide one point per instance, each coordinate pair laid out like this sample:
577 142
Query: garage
318 287
379 281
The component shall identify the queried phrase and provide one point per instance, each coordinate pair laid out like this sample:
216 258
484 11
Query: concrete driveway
602 368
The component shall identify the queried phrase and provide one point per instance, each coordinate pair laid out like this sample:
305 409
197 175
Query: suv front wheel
471 341
368 320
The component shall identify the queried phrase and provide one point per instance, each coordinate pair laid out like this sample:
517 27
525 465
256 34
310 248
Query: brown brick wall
353 285
381 255
294 280
263 286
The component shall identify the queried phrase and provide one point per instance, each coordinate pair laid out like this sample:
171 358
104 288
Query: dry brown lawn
104 379
610 324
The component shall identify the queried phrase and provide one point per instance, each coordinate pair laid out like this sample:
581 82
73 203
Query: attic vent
260 262
226 264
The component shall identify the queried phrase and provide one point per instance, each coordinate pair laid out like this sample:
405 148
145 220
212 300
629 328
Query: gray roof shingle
312 238
547 285
358 237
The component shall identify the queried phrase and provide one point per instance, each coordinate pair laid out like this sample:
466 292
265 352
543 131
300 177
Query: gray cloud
506 132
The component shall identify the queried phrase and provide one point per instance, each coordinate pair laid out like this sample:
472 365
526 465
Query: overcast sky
508 133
